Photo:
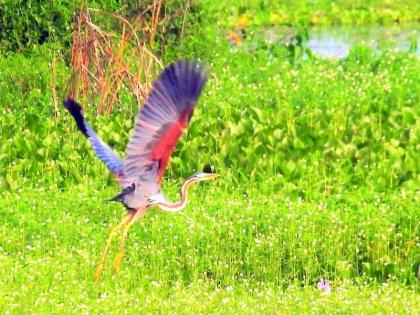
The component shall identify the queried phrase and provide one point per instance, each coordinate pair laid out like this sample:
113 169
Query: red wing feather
166 144
161 122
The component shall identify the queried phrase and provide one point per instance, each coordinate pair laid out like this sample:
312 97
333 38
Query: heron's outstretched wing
162 120
102 150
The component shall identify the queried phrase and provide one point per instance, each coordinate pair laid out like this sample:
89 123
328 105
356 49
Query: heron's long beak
210 176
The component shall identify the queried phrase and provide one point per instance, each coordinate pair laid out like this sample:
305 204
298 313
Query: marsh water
335 42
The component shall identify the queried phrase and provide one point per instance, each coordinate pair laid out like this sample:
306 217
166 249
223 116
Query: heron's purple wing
161 121
102 150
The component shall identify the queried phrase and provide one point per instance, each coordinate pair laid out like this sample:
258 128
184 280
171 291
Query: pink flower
324 286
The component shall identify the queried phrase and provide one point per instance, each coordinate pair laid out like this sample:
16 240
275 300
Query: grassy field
231 253
320 179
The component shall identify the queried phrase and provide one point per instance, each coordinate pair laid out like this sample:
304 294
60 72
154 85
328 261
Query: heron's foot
118 261
98 270
120 227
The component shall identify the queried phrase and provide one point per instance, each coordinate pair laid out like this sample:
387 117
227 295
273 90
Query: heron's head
202 176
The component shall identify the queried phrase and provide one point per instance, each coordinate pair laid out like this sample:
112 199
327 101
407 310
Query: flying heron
159 124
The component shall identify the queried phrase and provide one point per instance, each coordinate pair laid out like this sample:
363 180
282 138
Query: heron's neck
178 205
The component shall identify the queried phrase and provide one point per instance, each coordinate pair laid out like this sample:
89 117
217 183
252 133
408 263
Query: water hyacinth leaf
258 112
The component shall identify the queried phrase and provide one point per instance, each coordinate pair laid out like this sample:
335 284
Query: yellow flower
243 21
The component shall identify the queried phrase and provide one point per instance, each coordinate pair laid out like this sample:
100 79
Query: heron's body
159 124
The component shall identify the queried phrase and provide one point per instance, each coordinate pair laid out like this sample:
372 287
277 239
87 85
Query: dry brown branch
120 59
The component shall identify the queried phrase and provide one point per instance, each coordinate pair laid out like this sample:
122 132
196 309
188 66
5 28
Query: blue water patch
336 42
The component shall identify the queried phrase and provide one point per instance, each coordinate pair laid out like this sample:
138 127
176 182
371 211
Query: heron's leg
118 259
100 265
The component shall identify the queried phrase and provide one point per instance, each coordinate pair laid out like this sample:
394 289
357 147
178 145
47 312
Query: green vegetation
238 249
316 12
25 24
320 179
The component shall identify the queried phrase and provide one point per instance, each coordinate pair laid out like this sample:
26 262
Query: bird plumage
159 124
